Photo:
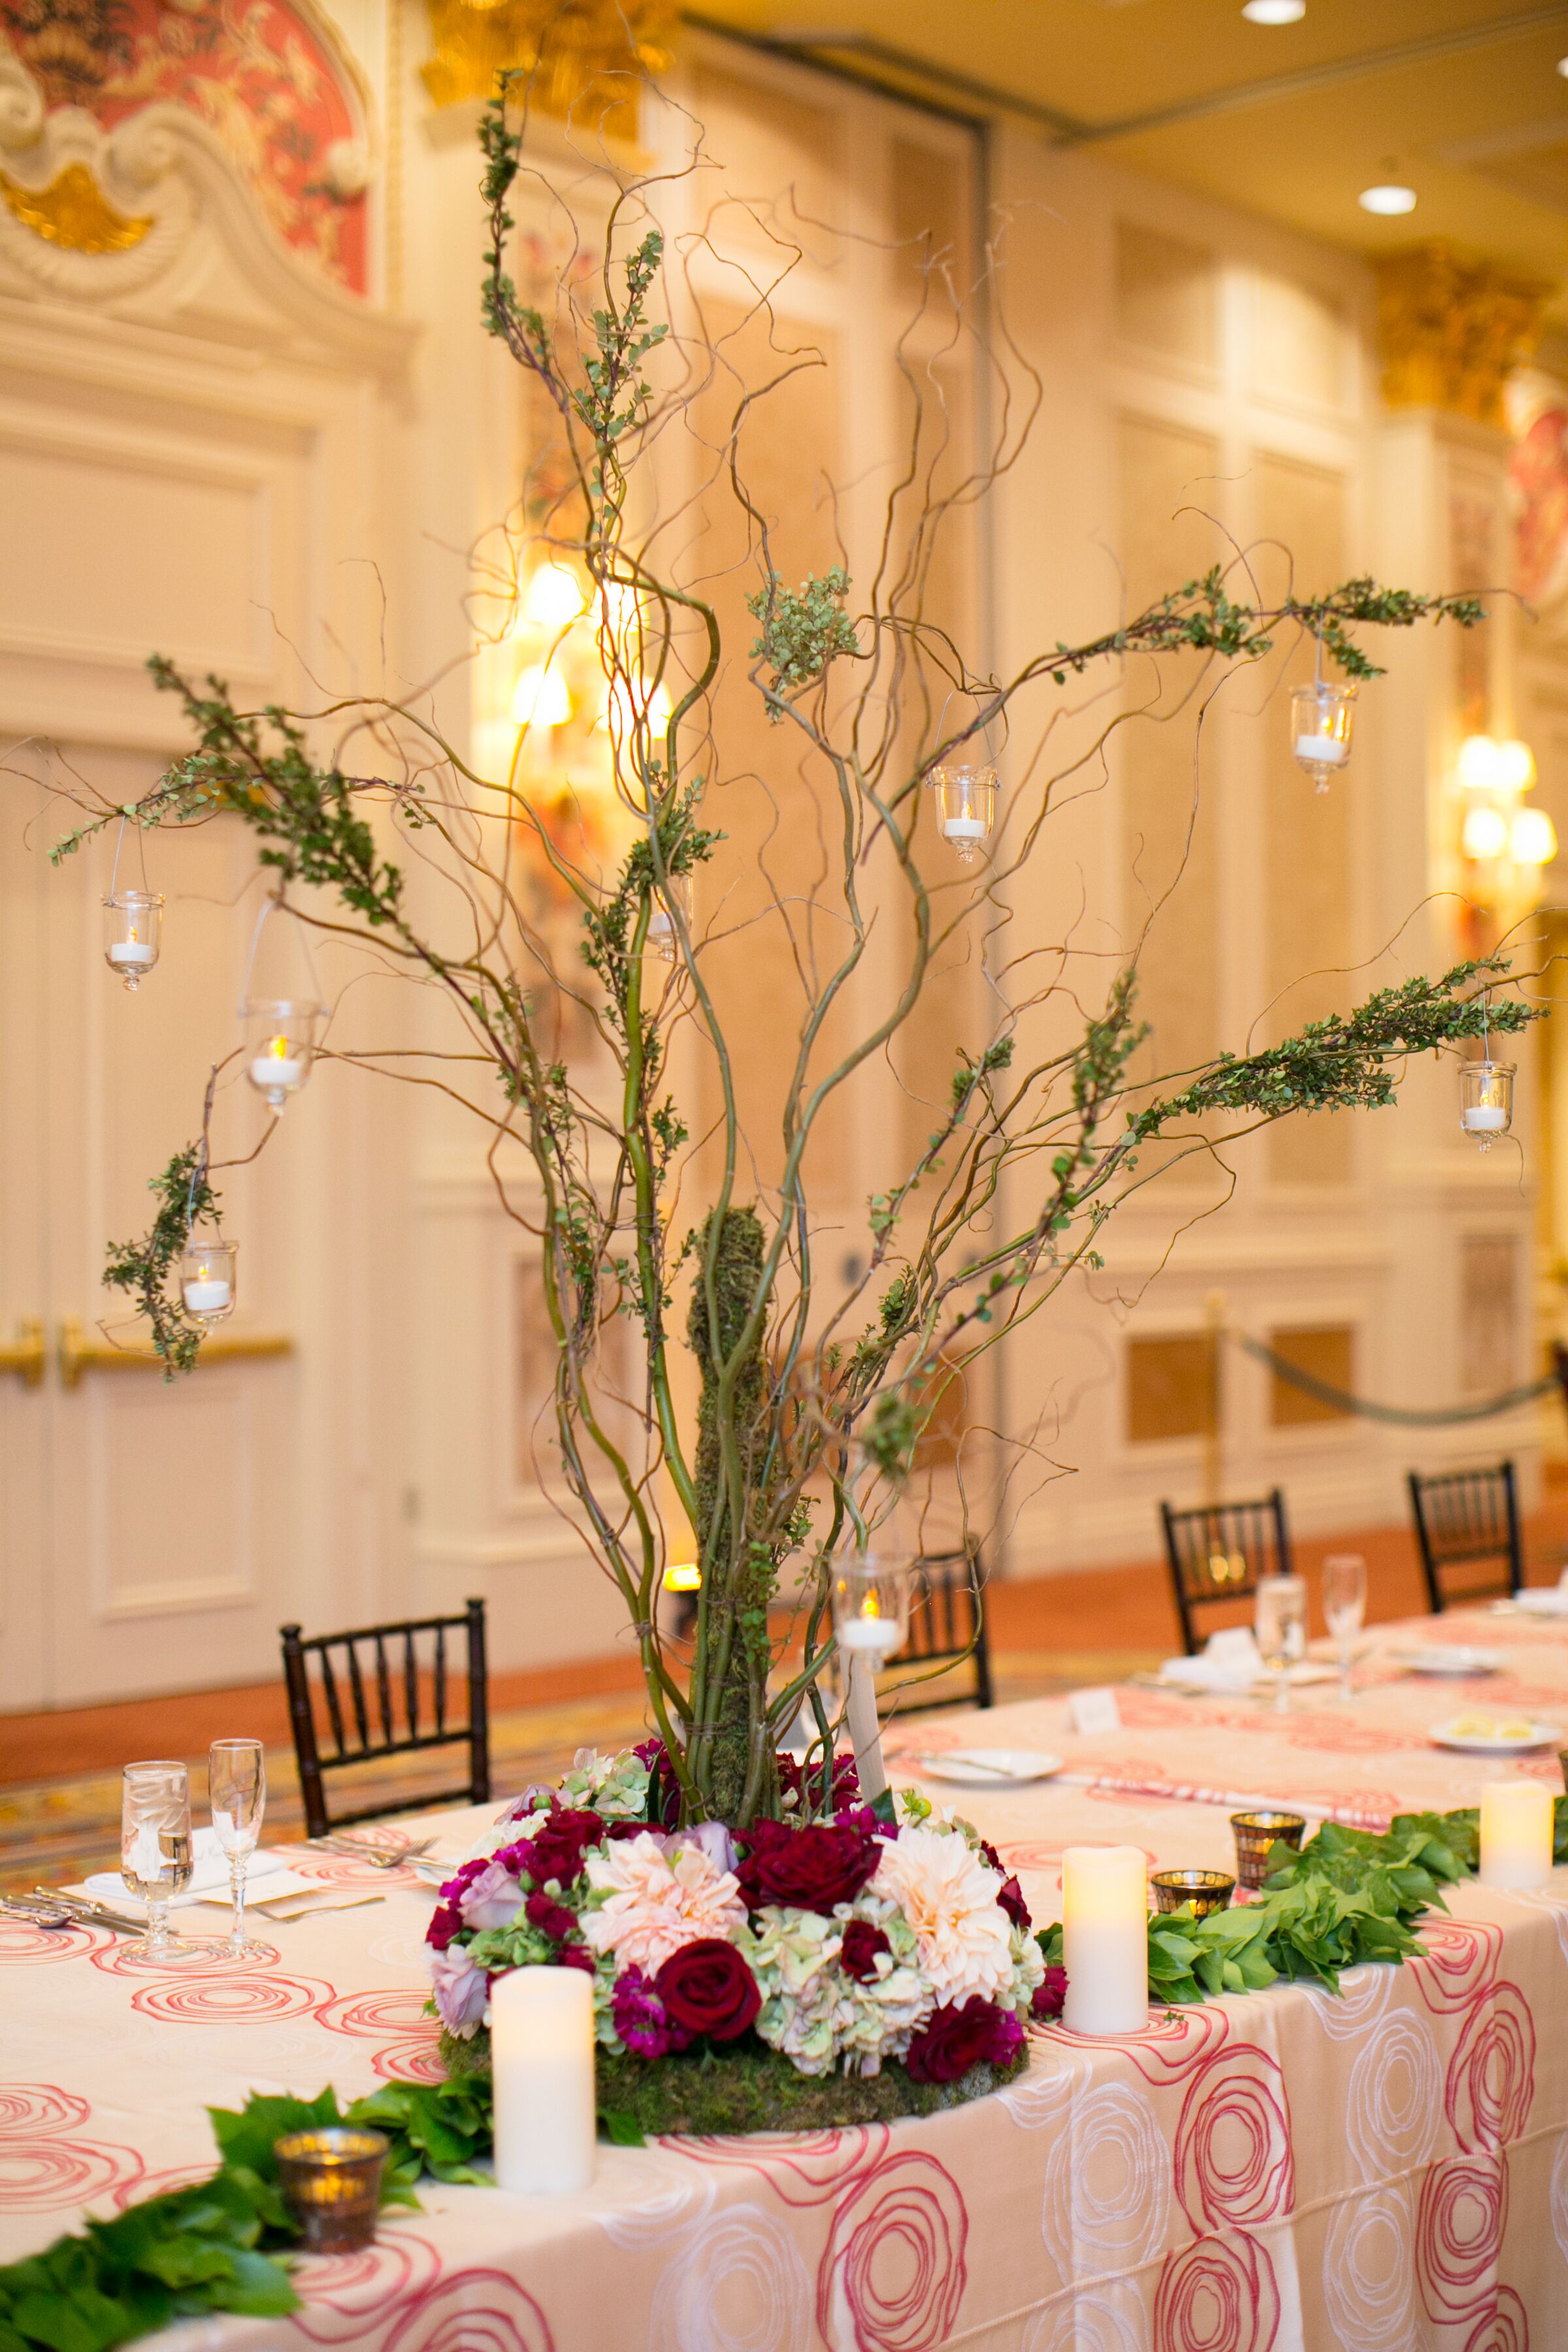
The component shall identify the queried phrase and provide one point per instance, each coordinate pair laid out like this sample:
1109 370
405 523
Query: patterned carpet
52 1832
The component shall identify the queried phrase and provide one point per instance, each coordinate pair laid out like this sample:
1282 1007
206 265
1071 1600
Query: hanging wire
119 843
276 904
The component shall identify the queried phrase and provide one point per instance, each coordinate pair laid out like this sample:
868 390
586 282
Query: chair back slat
1219 1552
947 1623
1468 1518
338 1662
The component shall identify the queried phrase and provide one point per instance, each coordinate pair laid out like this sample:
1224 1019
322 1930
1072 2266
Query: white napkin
209 1875
1543 1600
1229 1662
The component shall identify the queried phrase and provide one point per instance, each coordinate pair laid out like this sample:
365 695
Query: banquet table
1287 2171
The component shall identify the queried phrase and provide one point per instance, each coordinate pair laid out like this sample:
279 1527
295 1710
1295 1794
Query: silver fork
380 1857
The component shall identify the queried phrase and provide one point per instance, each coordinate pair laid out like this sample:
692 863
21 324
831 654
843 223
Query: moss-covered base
751 2088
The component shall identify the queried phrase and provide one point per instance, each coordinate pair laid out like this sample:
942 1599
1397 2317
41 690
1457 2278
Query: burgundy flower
462 1878
809 1789
1010 1895
556 1849
650 1751
707 1987
858 1956
541 1911
575 1955
1049 1994
960 2035
445 1922
866 1819
640 2019
810 1869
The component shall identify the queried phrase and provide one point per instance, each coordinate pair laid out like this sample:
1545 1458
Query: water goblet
237 1790
1280 1631
155 1850
1344 1606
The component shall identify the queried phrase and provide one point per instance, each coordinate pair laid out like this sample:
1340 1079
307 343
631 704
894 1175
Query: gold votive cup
1205 1890
1254 1833
330 2181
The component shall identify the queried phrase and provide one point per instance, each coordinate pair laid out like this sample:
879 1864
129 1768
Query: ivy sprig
141 1268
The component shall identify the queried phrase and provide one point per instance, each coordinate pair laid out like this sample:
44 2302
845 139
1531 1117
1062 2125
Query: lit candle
1484 1118
965 828
134 952
542 2069
1516 1833
1324 751
205 1292
1105 1939
277 1069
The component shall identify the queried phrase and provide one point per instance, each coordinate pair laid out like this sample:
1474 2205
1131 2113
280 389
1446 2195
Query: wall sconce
1506 843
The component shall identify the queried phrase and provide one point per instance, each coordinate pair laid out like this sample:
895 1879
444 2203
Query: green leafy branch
142 1268
803 630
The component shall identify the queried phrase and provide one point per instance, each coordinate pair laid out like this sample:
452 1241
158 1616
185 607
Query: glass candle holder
966 806
208 1277
1205 1890
1256 1833
871 1605
675 893
1322 719
279 1047
330 2181
1486 1101
132 932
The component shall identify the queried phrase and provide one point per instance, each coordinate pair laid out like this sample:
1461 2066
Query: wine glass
1280 1631
1344 1606
237 1790
155 1850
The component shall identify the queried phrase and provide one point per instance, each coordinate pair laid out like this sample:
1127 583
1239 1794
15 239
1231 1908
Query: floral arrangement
862 1939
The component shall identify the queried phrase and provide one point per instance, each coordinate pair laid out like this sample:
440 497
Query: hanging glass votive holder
279 1047
133 929
966 806
208 1277
675 892
1486 1101
1322 719
871 1596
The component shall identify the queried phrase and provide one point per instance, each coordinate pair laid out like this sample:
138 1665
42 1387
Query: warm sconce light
541 698
554 598
1505 841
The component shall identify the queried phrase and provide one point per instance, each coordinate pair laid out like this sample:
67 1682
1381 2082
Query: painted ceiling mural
256 73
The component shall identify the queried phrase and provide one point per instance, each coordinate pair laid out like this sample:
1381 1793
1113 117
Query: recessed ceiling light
1274 11
1389 197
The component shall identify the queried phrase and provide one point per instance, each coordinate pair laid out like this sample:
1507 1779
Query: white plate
1457 1660
1470 1743
988 1768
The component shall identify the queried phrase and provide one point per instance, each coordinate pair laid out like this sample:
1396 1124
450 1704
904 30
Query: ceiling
1460 99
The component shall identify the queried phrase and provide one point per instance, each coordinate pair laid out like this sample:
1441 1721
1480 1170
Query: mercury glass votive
1205 1890
1254 1833
330 2181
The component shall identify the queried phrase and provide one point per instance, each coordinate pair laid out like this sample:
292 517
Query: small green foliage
142 1268
890 1433
803 630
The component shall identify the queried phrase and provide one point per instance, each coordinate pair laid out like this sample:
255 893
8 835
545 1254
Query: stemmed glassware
1280 1631
237 1790
155 1849
1344 1606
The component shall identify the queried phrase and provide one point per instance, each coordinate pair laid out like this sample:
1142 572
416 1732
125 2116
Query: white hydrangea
813 2012
1028 1970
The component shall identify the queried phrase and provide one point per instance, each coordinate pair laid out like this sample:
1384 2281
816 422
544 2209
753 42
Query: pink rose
493 1899
462 1991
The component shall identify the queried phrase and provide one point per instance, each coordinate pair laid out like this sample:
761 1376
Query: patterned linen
1285 2171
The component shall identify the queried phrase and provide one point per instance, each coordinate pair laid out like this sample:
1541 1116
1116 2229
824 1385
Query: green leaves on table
434 2127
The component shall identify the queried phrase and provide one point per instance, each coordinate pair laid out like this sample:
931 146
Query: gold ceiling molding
1453 331
576 54
74 212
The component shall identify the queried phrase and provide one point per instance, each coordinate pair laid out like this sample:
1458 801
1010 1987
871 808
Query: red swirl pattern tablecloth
1386 2171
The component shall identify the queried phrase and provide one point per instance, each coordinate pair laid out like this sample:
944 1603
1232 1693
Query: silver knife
92 1914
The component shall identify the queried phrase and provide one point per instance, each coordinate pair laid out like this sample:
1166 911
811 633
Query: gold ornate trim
1453 331
577 54
74 212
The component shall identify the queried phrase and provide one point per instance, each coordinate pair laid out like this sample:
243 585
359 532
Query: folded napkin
1229 1662
1544 1600
209 1875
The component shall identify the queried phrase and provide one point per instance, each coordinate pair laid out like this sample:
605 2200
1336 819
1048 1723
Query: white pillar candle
270 1071
205 1297
1324 751
1484 1118
132 952
542 2067
1105 1939
1516 1833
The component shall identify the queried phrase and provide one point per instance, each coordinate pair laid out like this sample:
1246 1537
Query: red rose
1049 1994
955 2037
857 1955
707 1987
810 1869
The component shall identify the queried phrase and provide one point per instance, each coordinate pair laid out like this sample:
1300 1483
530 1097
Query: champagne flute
237 1790
155 1850
1344 1606
1280 1631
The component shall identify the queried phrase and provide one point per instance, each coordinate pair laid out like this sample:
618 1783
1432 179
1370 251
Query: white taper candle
541 2065
1105 1939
